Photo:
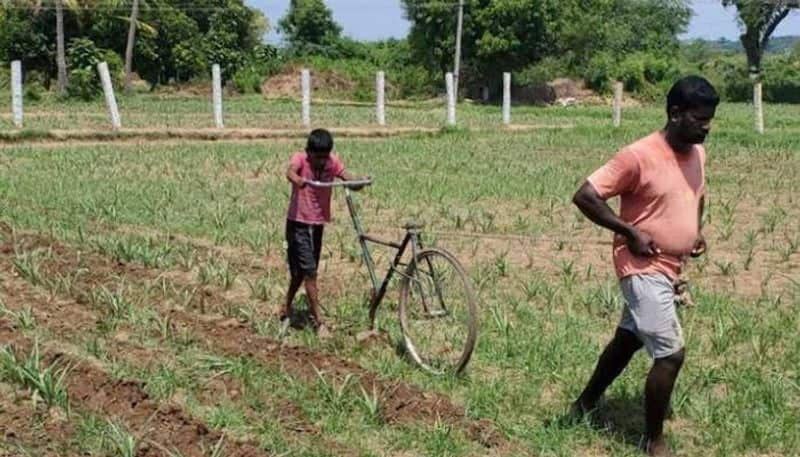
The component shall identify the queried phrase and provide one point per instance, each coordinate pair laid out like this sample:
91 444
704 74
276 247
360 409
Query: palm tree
61 57
129 47
36 7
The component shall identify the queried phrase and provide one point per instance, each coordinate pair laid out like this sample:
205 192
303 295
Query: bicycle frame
379 288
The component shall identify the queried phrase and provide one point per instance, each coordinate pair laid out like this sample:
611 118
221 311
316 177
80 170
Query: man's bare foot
579 412
323 333
658 448
580 409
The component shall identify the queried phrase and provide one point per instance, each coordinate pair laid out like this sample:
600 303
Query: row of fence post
305 88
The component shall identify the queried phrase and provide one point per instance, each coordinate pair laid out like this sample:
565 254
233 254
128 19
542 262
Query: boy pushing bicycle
309 211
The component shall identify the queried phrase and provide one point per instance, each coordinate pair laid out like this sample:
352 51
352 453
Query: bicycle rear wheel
438 312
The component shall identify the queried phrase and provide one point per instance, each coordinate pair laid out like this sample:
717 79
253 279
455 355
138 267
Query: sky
380 19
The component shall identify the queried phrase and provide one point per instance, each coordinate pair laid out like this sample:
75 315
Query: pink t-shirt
312 205
660 192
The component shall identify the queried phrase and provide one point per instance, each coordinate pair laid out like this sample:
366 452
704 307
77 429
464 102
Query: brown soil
401 402
287 83
47 144
94 136
40 432
17 294
532 127
158 426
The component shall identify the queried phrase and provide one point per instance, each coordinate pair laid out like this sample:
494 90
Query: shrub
542 72
82 58
262 62
34 86
5 78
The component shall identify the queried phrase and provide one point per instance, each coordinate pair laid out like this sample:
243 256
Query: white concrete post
305 86
108 90
16 92
380 97
506 98
216 76
617 103
451 100
759 107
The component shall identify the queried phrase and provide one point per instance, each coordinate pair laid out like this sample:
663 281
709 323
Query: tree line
598 41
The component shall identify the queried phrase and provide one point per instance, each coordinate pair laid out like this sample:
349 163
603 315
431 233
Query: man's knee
625 338
673 361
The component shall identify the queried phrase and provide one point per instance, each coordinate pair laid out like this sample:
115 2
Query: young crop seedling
772 218
119 441
46 384
113 304
333 394
371 403
501 264
28 265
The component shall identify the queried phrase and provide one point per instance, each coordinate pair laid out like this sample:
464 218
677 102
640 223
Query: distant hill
776 44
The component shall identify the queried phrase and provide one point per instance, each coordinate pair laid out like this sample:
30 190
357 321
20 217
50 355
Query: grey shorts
651 315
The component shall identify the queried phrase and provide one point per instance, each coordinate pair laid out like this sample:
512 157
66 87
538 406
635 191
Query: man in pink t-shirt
309 211
660 182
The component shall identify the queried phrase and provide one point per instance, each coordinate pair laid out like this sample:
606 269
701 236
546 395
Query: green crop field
139 282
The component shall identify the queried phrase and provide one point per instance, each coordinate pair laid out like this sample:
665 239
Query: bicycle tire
414 312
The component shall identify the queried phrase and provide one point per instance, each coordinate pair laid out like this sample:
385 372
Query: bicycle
437 305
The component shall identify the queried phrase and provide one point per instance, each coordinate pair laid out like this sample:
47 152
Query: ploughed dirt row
401 401
35 431
164 428
19 296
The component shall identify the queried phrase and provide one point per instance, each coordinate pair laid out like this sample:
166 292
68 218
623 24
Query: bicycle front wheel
438 312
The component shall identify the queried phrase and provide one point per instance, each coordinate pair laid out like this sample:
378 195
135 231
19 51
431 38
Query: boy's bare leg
294 286
313 299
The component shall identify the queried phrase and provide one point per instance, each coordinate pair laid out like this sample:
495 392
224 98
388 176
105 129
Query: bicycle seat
414 225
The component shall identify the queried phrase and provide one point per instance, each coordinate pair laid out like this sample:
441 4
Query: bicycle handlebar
347 184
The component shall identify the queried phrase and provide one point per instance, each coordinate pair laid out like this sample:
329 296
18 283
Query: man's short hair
692 92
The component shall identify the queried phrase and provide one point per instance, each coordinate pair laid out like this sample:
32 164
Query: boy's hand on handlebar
358 187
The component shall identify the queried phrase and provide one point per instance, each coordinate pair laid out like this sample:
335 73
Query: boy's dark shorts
305 245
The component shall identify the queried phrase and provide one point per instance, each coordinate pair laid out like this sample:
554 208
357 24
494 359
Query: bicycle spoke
438 312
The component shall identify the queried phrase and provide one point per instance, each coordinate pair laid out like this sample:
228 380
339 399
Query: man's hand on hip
700 246
642 245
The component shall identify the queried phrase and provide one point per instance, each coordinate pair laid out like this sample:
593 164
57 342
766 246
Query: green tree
191 37
509 35
174 51
29 38
175 39
309 25
134 18
759 19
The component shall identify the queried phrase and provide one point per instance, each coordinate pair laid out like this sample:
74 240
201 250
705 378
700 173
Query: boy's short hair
692 92
320 141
